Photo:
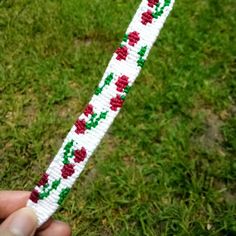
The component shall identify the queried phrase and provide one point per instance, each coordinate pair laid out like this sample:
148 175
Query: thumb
22 222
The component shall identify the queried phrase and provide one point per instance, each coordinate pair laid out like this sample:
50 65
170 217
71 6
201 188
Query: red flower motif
122 53
116 102
67 170
147 17
80 155
152 3
88 110
80 126
43 180
133 38
122 82
34 196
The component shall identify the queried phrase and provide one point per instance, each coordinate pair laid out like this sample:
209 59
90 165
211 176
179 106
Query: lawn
168 164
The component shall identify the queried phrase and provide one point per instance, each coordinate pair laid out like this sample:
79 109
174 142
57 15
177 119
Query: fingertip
21 222
58 228
64 228
10 201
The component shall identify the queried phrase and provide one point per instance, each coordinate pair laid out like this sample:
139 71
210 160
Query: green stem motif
108 80
64 192
47 189
68 152
142 52
159 12
94 120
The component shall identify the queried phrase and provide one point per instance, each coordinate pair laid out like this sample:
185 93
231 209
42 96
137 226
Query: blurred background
168 164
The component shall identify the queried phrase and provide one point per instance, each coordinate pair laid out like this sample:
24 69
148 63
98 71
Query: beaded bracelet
98 115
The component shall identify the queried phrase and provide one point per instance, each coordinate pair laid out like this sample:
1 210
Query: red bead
88 110
80 155
80 126
122 53
147 17
34 196
152 3
43 180
116 103
133 38
67 170
121 83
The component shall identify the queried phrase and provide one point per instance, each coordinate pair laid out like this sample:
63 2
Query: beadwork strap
108 98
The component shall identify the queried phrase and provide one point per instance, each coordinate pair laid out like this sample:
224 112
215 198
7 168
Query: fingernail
23 222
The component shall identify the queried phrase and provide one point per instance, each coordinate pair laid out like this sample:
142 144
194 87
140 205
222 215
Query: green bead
56 183
95 124
88 126
125 38
127 89
123 97
141 62
103 115
98 91
155 15
142 51
66 161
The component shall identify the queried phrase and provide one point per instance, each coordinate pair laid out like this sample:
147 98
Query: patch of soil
212 135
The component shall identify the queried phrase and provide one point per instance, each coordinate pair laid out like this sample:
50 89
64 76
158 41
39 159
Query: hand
17 220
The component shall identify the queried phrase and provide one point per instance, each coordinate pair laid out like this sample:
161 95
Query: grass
168 164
